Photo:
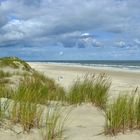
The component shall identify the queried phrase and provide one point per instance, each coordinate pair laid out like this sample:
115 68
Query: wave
128 65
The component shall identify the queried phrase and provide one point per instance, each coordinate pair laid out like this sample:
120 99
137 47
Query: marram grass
36 89
92 89
14 62
4 74
39 89
137 113
123 114
54 123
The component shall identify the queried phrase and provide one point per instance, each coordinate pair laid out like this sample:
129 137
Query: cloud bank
79 27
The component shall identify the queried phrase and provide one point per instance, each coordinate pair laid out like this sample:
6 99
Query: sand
85 122
66 74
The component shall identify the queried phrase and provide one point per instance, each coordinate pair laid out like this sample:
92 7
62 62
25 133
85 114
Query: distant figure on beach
60 78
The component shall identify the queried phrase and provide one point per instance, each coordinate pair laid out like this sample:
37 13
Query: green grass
14 62
4 104
123 114
54 123
4 74
35 90
27 114
53 91
25 107
91 89
4 77
116 116
31 90
137 107
39 89
4 91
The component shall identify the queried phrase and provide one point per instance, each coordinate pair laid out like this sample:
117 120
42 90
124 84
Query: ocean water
130 65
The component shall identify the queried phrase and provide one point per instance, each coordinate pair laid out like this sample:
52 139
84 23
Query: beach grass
36 90
4 114
116 116
27 114
14 62
54 91
138 112
33 90
54 123
26 104
39 89
4 74
123 114
91 88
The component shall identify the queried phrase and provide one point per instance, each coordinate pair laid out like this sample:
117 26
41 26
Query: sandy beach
87 122
122 80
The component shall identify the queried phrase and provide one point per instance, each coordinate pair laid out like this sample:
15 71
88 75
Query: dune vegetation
14 62
30 103
38 89
92 89
4 74
123 114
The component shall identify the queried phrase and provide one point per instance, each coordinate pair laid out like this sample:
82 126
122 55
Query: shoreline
122 80
91 66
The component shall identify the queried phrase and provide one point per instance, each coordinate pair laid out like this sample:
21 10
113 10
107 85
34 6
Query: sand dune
87 122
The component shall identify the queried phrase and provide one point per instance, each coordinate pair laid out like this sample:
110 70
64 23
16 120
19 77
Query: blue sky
70 29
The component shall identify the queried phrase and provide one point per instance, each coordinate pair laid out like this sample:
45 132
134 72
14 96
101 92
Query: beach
86 121
122 80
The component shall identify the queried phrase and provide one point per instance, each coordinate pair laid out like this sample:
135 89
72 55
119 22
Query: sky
70 29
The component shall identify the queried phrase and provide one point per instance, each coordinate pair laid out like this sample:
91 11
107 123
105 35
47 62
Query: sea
120 64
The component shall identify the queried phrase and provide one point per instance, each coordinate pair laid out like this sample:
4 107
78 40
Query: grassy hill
14 62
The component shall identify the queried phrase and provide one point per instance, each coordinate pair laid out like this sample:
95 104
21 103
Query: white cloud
69 23
61 53
121 44
85 34
137 41
90 41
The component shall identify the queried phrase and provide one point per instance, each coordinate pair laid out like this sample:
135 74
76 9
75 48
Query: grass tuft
123 114
91 89
39 89
4 74
14 62
27 114
54 123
